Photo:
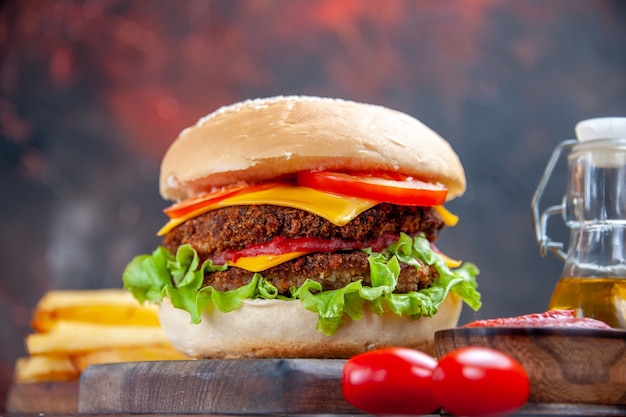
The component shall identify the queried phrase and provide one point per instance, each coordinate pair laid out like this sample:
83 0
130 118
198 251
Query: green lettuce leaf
180 277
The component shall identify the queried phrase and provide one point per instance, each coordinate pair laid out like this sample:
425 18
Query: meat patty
332 270
235 228
241 226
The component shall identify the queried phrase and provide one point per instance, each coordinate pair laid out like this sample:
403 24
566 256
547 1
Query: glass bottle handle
546 244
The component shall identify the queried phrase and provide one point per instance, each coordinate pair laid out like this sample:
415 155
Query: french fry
107 306
132 354
45 368
71 337
74 329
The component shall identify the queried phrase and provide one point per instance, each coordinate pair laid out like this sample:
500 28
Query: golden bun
285 329
260 139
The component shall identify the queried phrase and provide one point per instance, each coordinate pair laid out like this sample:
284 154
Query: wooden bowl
565 365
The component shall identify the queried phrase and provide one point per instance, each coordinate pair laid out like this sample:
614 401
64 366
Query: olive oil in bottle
599 298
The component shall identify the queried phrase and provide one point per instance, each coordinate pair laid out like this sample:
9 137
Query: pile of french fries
73 329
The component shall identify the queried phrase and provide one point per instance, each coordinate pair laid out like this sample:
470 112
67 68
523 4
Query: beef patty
235 228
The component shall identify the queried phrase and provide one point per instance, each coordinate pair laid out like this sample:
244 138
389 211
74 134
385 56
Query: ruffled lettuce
179 277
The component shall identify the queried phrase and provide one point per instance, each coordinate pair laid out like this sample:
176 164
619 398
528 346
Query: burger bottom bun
285 329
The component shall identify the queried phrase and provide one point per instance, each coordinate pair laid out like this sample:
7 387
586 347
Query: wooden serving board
212 386
43 397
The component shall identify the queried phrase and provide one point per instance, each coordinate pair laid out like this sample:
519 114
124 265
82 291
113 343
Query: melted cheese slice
450 263
338 210
448 218
263 262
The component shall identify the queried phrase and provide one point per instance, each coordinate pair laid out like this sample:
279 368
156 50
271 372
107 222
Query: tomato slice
188 205
384 187
192 204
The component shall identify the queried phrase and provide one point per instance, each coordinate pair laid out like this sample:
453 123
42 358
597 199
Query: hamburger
305 227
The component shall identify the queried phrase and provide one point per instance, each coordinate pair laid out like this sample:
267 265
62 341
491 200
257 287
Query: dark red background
93 92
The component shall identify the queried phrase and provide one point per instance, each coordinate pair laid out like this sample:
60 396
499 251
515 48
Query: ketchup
552 318
281 245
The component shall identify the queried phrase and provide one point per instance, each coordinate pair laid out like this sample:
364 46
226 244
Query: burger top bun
261 139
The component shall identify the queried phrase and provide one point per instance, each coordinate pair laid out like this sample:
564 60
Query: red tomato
390 188
192 204
390 381
478 381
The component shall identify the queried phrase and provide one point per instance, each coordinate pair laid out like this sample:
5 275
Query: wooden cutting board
43 397
248 386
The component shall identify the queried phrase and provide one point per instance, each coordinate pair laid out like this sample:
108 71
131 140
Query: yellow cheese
448 218
339 210
450 263
263 262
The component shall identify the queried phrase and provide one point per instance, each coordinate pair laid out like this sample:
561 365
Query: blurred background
93 92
